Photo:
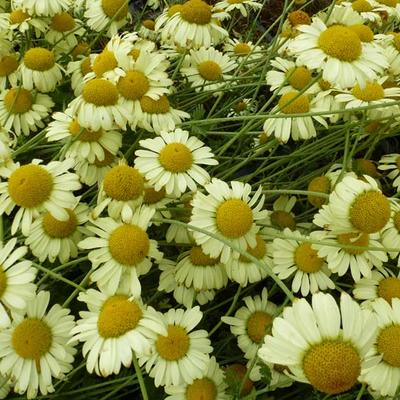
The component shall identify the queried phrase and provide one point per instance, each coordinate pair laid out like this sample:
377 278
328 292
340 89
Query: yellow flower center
176 157
299 77
105 61
370 212
235 1
389 288
388 345
340 42
18 16
324 85
320 184
123 183
3 281
135 53
129 244
282 219
39 59
210 70
361 166
263 138
361 6
18 101
332 366
149 24
257 325
364 32
300 105
174 9
234 218
307 259
175 345
396 221
32 339
85 135
116 9
152 196
108 159
81 49
160 106
389 3
86 66
353 239
201 389
372 91
100 92
118 316
63 22
30 185
198 258
258 251
59 229
242 49
299 17
8 64
133 85
196 12
239 107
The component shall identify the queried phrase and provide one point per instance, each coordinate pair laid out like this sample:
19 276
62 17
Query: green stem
140 378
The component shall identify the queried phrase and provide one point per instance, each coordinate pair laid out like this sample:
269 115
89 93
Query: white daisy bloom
355 205
121 252
43 8
390 235
9 74
320 184
23 111
35 349
391 163
88 144
282 215
384 377
252 322
50 238
365 9
39 70
178 356
172 160
339 52
78 70
114 330
340 259
34 188
312 342
207 69
22 21
16 281
244 106
243 51
241 5
210 386
292 22
228 210
297 257
147 29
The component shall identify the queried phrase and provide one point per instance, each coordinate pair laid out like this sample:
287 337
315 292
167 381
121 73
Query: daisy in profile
16 281
339 52
147 29
79 70
241 5
38 343
320 184
20 20
113 330
210 386
171 161
35 188
282 215
121 252
252 322
230 211
391 163
179 355
24 110
86 143
9 74
50 238
365 9
243 51
43 8
244 106
207 69
391 233
312 341
39 70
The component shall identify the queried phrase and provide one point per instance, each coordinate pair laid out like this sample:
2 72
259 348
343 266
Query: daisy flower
355 205
230 211
312 341
37 347
252 322
210 386
240 5
16 281
207 69
171 161
24 110
50 238
9 70
43 8
297 257
243 107
391 163
39 70
114 330
121 252
147 29
78 70
22 21
321 184
339 52
391 233
34 188
282 215
179 355
365 9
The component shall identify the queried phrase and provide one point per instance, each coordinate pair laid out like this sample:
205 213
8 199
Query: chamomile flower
43 8
16 281
319 184
20 20
391 233
365 9
147 29
282 215
50 238
312 341
391 163
121 252
35 348
252 322
34 188
171 161
9 74
230 211
179 355
243 107
23 111
241 5
78 70
113 330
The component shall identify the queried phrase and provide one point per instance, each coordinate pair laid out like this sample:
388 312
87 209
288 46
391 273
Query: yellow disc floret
100 92
293 103
160 106
196 12
175 8
152 196
234 218
18 16
364 32
86 67
201 389
361 6
8 64
149 24
198 258
371 92
59 229
282 219
258 251
353 239
389 288
18 101
388 344
257 325
176 157
299 17
105 61
175 345
63 22
85 135
81 49
39 59
116 9
133 85
320 184
307 259
242 49
210 70
299 77
3 281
